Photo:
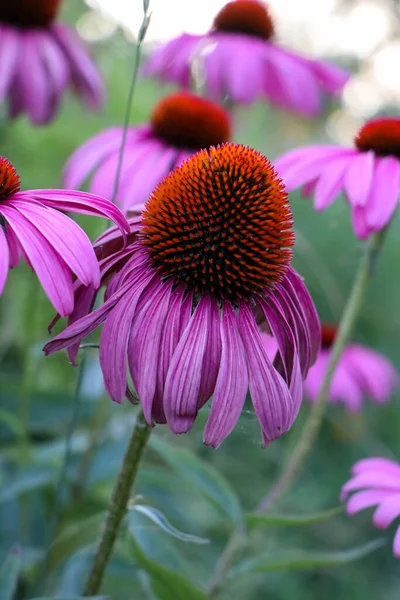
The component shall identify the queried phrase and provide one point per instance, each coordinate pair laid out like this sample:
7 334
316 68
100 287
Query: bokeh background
365 37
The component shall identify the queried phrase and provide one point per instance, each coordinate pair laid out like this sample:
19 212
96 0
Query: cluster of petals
53 245
38 64
245 68
369 179
150 154
375 482
182 346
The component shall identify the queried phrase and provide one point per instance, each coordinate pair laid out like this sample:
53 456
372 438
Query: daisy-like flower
368 174
53 245
180 125
376 482
238 59
361 373
39 59
209 259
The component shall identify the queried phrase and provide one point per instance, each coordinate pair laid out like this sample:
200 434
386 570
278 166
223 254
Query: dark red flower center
328 334
9 179
380 135
221 224
28 13
191 122
249 17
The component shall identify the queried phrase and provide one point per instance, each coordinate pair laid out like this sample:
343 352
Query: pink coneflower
376 482
361 373
39 58
180 125
368 175
53 245
239 60
212 251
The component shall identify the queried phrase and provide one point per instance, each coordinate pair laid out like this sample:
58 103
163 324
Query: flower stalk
118 504
313 423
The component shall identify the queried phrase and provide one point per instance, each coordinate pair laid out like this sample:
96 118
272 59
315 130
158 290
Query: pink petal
375 479
330 183
387 511
182 386
366 499
396 544
384 194
358 178
358 218
231 385
4 258
34 83
377 464
212 355
376 374
9 58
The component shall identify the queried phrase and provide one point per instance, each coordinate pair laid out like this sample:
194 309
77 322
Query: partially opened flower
212 251
368 174
361 373
53 245
376 482
180 125
40 58
239 59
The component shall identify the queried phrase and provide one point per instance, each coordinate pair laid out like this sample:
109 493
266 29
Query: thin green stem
310 431
118 504
224 562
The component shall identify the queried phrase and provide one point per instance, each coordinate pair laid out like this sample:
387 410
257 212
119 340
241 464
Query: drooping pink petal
9 57
269 393
212 355
396 543
358 178
365 499
377 464
231 385
387 511
378 480
376 374
182 386
84 300
51 270
144 343
384 194
331 77
358 219
4 259
330 183
34 83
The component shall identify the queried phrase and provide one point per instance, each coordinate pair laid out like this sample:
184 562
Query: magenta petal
377 464
387 511
231 385
4 259
182 386
396 544
365 499
358 178
358 218
144 343
34 82
330 184
85 297
269 393
9 57
212 355
385 191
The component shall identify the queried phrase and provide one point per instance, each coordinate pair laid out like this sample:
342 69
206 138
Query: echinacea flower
53 245
361 373
239 60
210 256
375 482
180 125
368 175
39 59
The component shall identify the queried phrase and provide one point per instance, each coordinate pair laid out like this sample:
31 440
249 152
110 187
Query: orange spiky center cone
221 224
380 135
29 13
9 179
190 122
249 17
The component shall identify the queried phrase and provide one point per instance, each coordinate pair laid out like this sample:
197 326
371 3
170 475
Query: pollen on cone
380 135
221 224
249 17
9 179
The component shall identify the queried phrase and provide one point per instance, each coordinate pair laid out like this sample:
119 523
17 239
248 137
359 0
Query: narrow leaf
284 520
202 476
9 573
159 519
303 559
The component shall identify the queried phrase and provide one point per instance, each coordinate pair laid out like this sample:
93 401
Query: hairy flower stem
311 428
118 504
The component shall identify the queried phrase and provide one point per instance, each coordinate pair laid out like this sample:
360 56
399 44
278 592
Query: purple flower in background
209 259
39 59
376 482
368 175
361 373
53 245
238 59
181 125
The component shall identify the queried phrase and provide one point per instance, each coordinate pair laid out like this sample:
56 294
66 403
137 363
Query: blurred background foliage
199 491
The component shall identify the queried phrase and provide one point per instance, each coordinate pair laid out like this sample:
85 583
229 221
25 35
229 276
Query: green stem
224 562
118 504
313 423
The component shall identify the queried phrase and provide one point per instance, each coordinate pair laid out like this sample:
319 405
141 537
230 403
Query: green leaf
165 583
72 598
201 475
29 480
9 573
283 520
303 559
159 519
